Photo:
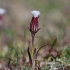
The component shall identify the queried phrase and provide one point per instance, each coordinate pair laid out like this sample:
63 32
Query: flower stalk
33 40
33 30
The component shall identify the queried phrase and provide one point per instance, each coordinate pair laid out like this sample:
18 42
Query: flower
35 13
2 11
34 22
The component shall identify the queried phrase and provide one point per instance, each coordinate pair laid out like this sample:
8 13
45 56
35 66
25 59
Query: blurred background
54 22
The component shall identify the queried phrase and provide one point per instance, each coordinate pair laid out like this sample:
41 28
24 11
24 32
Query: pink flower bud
34 22
2 11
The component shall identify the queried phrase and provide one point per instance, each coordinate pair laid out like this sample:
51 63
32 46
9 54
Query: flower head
2 11
34 22
35 13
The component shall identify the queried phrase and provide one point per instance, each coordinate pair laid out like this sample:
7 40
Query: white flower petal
2 11
35 13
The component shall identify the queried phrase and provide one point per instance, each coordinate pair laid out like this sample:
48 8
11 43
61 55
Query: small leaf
40 49
30 59
54 42
34 51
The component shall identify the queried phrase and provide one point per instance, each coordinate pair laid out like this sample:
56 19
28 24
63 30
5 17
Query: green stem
33 40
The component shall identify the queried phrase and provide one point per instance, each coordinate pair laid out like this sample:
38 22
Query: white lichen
35 13
2 11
